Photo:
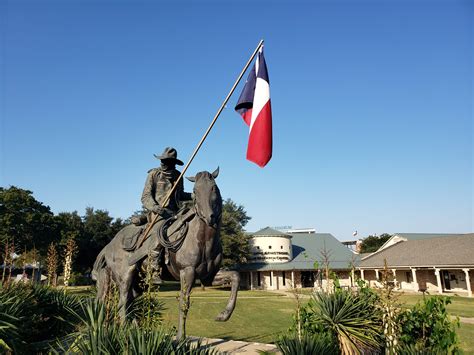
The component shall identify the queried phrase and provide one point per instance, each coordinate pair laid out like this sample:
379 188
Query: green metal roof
307 248
270 232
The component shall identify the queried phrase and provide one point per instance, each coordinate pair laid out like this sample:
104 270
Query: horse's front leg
186 277
235 280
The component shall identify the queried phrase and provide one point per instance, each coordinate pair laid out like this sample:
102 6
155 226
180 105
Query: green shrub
428 327
78 279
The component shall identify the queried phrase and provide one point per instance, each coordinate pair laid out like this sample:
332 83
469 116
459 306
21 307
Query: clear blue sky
372 107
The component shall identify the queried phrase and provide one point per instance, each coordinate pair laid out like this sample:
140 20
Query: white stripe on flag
261 97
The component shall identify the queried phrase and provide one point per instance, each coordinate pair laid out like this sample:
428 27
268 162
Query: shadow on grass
175 286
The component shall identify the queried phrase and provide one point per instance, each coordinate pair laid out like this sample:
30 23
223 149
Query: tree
99 229
235 242
373 243
25 220
70 225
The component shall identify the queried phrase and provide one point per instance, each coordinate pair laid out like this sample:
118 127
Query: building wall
344 277
370 277
457 280
427 280
270 249
277 282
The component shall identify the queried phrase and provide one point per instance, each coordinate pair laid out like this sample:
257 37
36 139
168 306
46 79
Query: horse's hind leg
103 283
186 277
234 278
125 290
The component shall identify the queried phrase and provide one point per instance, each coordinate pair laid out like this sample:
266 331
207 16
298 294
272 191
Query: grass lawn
260 316
466 335
460 306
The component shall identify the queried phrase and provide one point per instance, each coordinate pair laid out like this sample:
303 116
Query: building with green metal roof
280 260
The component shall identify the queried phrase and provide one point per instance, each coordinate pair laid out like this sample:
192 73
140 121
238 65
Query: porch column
394 272
293 279
272 282
468 282
251 280
377 274
438 280
362 274
416 287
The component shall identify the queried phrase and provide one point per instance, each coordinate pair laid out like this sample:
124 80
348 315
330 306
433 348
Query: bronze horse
199 257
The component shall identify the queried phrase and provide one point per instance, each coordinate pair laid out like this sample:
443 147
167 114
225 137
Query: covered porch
439 280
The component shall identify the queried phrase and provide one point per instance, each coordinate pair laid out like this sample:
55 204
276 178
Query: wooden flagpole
170 193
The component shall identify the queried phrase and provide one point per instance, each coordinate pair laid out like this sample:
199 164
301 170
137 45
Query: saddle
171 232
129 242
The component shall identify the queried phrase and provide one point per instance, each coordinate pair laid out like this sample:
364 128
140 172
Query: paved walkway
237 347
467 320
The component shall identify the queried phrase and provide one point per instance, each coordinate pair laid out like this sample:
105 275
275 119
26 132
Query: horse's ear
215 174
191 178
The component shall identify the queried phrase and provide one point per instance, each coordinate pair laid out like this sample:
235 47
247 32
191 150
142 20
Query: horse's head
207 197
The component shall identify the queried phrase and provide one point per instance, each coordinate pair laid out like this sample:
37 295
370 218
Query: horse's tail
99 264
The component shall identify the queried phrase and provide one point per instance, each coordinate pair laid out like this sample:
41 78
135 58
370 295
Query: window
258 279
269 247
281 247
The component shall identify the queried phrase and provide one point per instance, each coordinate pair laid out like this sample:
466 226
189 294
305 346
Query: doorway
307 279
446 280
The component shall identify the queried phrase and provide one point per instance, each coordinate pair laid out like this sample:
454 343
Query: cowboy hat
169 153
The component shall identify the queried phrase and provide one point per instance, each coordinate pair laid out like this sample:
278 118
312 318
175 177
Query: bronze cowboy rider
158 184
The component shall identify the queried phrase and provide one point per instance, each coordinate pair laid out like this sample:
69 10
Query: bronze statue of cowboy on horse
187 229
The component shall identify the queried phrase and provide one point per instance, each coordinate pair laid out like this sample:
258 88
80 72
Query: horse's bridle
199 214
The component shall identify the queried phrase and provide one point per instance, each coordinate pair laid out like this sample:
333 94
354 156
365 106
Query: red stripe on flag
247 116
259 149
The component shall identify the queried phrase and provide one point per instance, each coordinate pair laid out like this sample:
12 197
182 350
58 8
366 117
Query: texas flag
255 108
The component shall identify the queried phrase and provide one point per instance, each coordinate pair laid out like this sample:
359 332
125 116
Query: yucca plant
146 311
32 316
100 335
52 264
12 306
322 344
350 318
96 335
55 307
70 251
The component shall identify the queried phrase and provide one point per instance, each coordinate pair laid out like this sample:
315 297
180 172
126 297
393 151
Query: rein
198 213
163 236
176 244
